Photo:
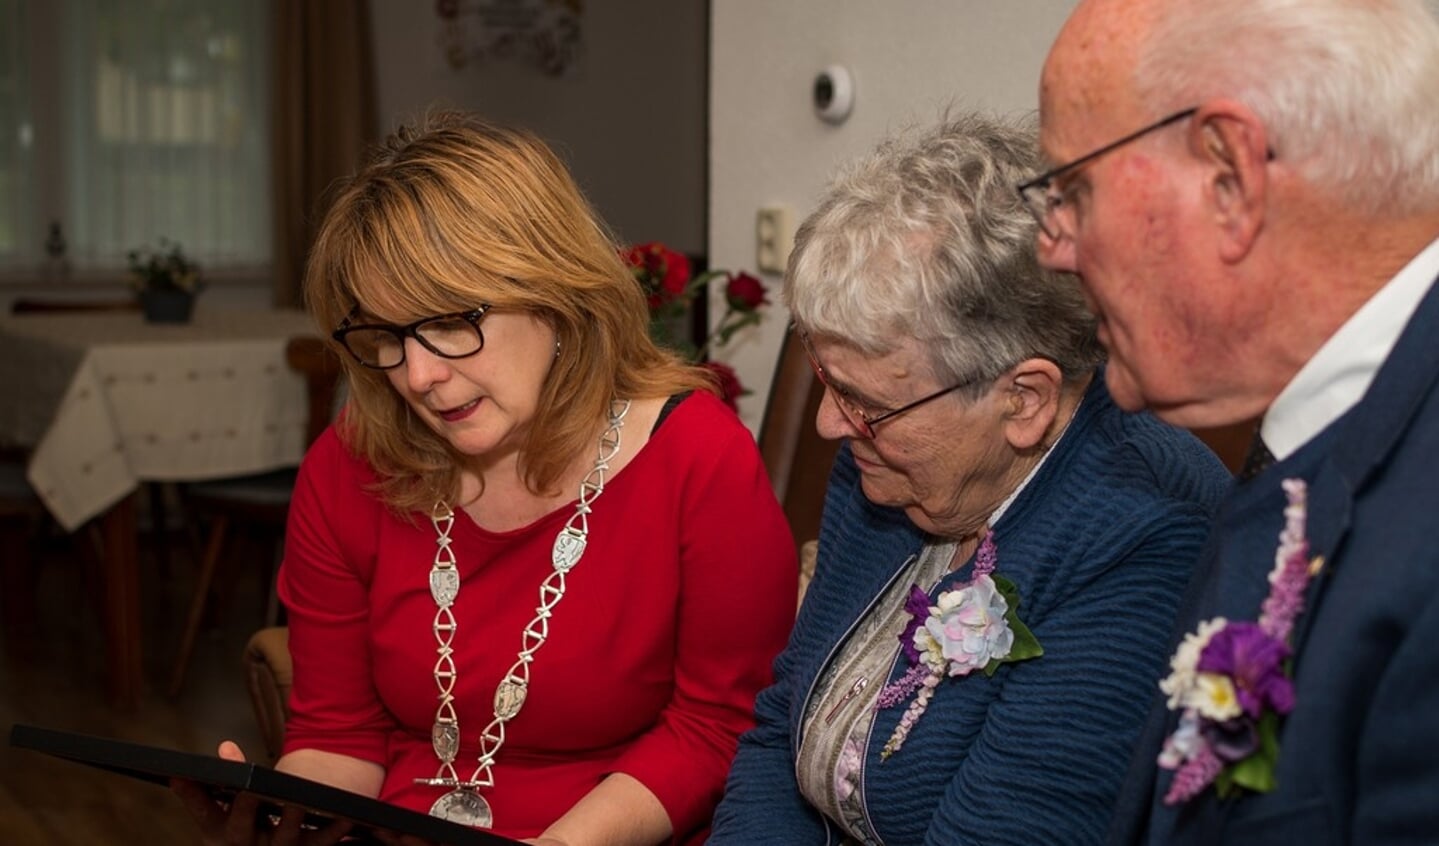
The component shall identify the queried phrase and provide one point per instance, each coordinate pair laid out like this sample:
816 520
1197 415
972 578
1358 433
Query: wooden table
108 401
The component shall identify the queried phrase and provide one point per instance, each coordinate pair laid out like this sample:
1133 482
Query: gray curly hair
926 238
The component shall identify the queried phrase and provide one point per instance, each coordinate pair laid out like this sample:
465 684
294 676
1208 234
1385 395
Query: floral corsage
974 627
1231 680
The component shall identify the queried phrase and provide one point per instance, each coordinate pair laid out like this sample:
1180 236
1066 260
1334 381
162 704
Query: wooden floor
55 679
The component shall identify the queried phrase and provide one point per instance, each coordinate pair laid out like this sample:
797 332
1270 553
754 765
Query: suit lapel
1367 436
1354 449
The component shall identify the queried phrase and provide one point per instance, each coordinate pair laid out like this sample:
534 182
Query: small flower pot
167 306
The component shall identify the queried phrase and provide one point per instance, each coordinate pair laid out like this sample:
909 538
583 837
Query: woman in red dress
535 574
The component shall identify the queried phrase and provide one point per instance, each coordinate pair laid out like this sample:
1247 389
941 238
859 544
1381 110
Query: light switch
774 238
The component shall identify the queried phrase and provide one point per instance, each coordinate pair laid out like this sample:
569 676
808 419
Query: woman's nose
423 369
831 422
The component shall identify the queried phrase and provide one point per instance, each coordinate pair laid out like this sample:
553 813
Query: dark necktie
1257 460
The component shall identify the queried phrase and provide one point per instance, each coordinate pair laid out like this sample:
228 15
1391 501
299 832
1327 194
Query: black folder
223 779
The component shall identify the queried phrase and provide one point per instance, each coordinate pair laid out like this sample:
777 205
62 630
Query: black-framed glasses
1044 200
381 346
862 418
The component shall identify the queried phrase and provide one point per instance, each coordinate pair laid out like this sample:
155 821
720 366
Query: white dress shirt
1335 379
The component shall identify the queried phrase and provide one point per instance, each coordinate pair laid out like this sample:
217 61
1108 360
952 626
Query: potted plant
166 281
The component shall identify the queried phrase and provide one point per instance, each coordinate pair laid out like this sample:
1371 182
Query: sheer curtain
166 129
216 124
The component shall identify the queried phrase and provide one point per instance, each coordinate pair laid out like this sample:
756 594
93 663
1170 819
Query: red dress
685 594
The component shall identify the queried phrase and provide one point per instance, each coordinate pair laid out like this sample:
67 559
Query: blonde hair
453 212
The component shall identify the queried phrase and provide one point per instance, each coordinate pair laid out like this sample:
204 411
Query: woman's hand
248 819
618 810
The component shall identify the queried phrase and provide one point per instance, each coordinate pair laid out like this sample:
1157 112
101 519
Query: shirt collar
1335 379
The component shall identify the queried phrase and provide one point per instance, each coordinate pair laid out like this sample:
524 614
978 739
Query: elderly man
1249 192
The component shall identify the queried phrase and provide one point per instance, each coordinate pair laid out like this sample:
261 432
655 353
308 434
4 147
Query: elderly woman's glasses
1043 196
862 418
381 346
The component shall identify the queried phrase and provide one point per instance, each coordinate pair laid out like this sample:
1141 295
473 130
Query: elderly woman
1002 550
517 599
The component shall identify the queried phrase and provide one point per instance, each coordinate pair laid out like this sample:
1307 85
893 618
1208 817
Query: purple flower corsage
973 627
1231 680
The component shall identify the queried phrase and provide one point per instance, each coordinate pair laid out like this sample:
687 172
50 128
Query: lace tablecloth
107 400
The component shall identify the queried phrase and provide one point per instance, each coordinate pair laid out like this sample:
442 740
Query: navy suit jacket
1359 754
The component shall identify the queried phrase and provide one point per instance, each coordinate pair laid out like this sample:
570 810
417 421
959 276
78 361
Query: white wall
909 60
629 116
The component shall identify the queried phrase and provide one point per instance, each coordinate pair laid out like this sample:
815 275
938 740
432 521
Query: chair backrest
797 459
1230 443
313 359
34 305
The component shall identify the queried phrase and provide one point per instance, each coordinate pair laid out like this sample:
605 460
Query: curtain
20 237
163 129
323 120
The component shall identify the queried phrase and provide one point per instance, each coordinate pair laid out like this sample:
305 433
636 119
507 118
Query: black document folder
223 779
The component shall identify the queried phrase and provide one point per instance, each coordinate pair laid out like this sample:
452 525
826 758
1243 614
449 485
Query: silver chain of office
464 804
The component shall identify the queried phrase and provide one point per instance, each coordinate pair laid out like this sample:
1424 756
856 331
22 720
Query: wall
629 115
908 62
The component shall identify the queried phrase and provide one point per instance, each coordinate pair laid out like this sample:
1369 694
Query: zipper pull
854 690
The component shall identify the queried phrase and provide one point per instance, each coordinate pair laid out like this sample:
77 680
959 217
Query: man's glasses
863 418
1044 198
381 346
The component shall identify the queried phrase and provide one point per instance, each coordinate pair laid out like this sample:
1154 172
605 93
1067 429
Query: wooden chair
268 677
1230 443
261 500
797 459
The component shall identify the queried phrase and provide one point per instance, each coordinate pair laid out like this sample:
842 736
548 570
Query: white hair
1348 90
926 238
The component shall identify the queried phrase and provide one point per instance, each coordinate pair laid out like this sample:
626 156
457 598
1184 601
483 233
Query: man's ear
1232 144
1032 392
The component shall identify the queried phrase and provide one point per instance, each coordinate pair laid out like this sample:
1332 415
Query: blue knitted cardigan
1100 545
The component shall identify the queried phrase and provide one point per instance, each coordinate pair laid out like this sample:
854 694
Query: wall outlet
773 238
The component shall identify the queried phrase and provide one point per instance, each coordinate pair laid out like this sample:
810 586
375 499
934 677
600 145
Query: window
128 121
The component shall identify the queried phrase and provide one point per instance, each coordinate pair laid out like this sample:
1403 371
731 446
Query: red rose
634 256
745 293
663 272
672 268
727 381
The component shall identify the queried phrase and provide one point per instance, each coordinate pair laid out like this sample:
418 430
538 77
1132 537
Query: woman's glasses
381 346
861 417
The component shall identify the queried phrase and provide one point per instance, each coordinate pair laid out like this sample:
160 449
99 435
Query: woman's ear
1032 391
